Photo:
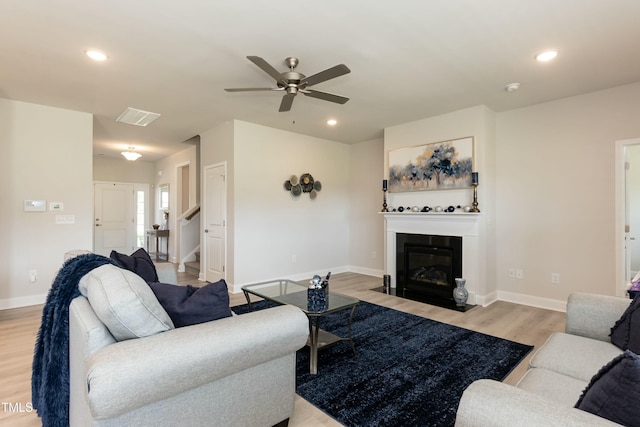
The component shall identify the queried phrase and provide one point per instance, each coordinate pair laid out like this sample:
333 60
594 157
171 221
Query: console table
158 235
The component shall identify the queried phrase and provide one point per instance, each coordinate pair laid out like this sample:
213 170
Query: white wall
272 226
108 169
47 155
366 225
555 207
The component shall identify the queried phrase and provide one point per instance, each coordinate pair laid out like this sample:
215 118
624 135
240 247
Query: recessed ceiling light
332 122
96 55
546 56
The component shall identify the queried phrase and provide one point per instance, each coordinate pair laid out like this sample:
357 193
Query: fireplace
465 226
426 267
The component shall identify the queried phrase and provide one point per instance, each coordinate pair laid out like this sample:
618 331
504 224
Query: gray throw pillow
614 392
124 302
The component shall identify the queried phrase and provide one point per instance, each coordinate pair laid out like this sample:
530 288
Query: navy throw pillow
625 334
614 392
189 305
139 262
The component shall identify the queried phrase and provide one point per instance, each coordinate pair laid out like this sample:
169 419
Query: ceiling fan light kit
291 82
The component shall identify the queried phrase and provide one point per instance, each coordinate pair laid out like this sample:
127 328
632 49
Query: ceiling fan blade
266 67
287 100
328 74
325 96
250 89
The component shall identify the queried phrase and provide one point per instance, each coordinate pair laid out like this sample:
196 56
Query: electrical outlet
33 276
374 255
519 273
555 278
512 272
294 259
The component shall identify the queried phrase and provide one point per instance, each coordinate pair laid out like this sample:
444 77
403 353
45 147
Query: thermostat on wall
56 206
35 205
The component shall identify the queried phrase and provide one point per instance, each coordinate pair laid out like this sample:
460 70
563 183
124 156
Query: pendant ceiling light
131 154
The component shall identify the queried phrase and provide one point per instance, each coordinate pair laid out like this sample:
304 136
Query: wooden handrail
192 214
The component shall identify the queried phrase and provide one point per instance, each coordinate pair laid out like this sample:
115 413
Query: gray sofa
558 373
236 371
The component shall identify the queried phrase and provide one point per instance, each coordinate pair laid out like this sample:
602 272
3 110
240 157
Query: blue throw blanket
50 369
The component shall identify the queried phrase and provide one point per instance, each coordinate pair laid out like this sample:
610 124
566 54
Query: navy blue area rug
407 370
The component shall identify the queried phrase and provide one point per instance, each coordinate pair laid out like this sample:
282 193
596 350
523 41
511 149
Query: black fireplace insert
426 267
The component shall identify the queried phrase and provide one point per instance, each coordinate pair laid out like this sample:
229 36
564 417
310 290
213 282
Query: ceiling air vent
133 116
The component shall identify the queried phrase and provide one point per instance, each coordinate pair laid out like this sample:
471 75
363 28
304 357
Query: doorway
627 212
121 216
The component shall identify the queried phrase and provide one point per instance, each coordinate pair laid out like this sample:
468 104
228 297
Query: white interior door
114 218
632 197
215 222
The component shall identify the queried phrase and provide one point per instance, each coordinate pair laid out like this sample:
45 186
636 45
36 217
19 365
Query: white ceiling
409 59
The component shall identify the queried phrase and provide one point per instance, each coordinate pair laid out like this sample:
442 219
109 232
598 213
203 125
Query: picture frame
443 165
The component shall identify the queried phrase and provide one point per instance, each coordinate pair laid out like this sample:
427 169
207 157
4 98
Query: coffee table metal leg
246 295
313 345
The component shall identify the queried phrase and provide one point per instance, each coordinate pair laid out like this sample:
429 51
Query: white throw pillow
124 302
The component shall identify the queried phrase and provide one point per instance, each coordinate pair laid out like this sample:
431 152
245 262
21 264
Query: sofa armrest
593 316
130 374
491 403
167 273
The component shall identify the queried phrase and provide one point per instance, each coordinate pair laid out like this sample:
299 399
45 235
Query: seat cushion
553 386
138 262
124 302
189 305
614 392
577 357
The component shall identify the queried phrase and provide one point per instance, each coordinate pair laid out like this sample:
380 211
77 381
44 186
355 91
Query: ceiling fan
291 82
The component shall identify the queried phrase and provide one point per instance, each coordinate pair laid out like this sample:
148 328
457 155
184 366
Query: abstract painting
442 165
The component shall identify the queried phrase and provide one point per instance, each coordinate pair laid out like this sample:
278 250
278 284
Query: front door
215 222
114 218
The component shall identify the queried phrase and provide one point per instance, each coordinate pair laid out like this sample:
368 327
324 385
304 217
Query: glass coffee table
285 291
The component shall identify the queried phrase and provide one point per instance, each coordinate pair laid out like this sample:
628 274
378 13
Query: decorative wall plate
306 180
296 190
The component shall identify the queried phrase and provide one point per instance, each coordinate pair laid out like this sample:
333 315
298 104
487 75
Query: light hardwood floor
528 325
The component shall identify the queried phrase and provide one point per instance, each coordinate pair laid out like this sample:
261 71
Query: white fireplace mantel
465 225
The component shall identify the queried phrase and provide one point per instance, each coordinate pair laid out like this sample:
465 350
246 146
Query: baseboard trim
366 271
6 304
533 301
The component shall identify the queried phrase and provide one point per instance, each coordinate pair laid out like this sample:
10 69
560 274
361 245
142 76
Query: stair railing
188 236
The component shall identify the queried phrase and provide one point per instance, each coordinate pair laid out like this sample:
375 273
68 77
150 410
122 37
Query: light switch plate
65 219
